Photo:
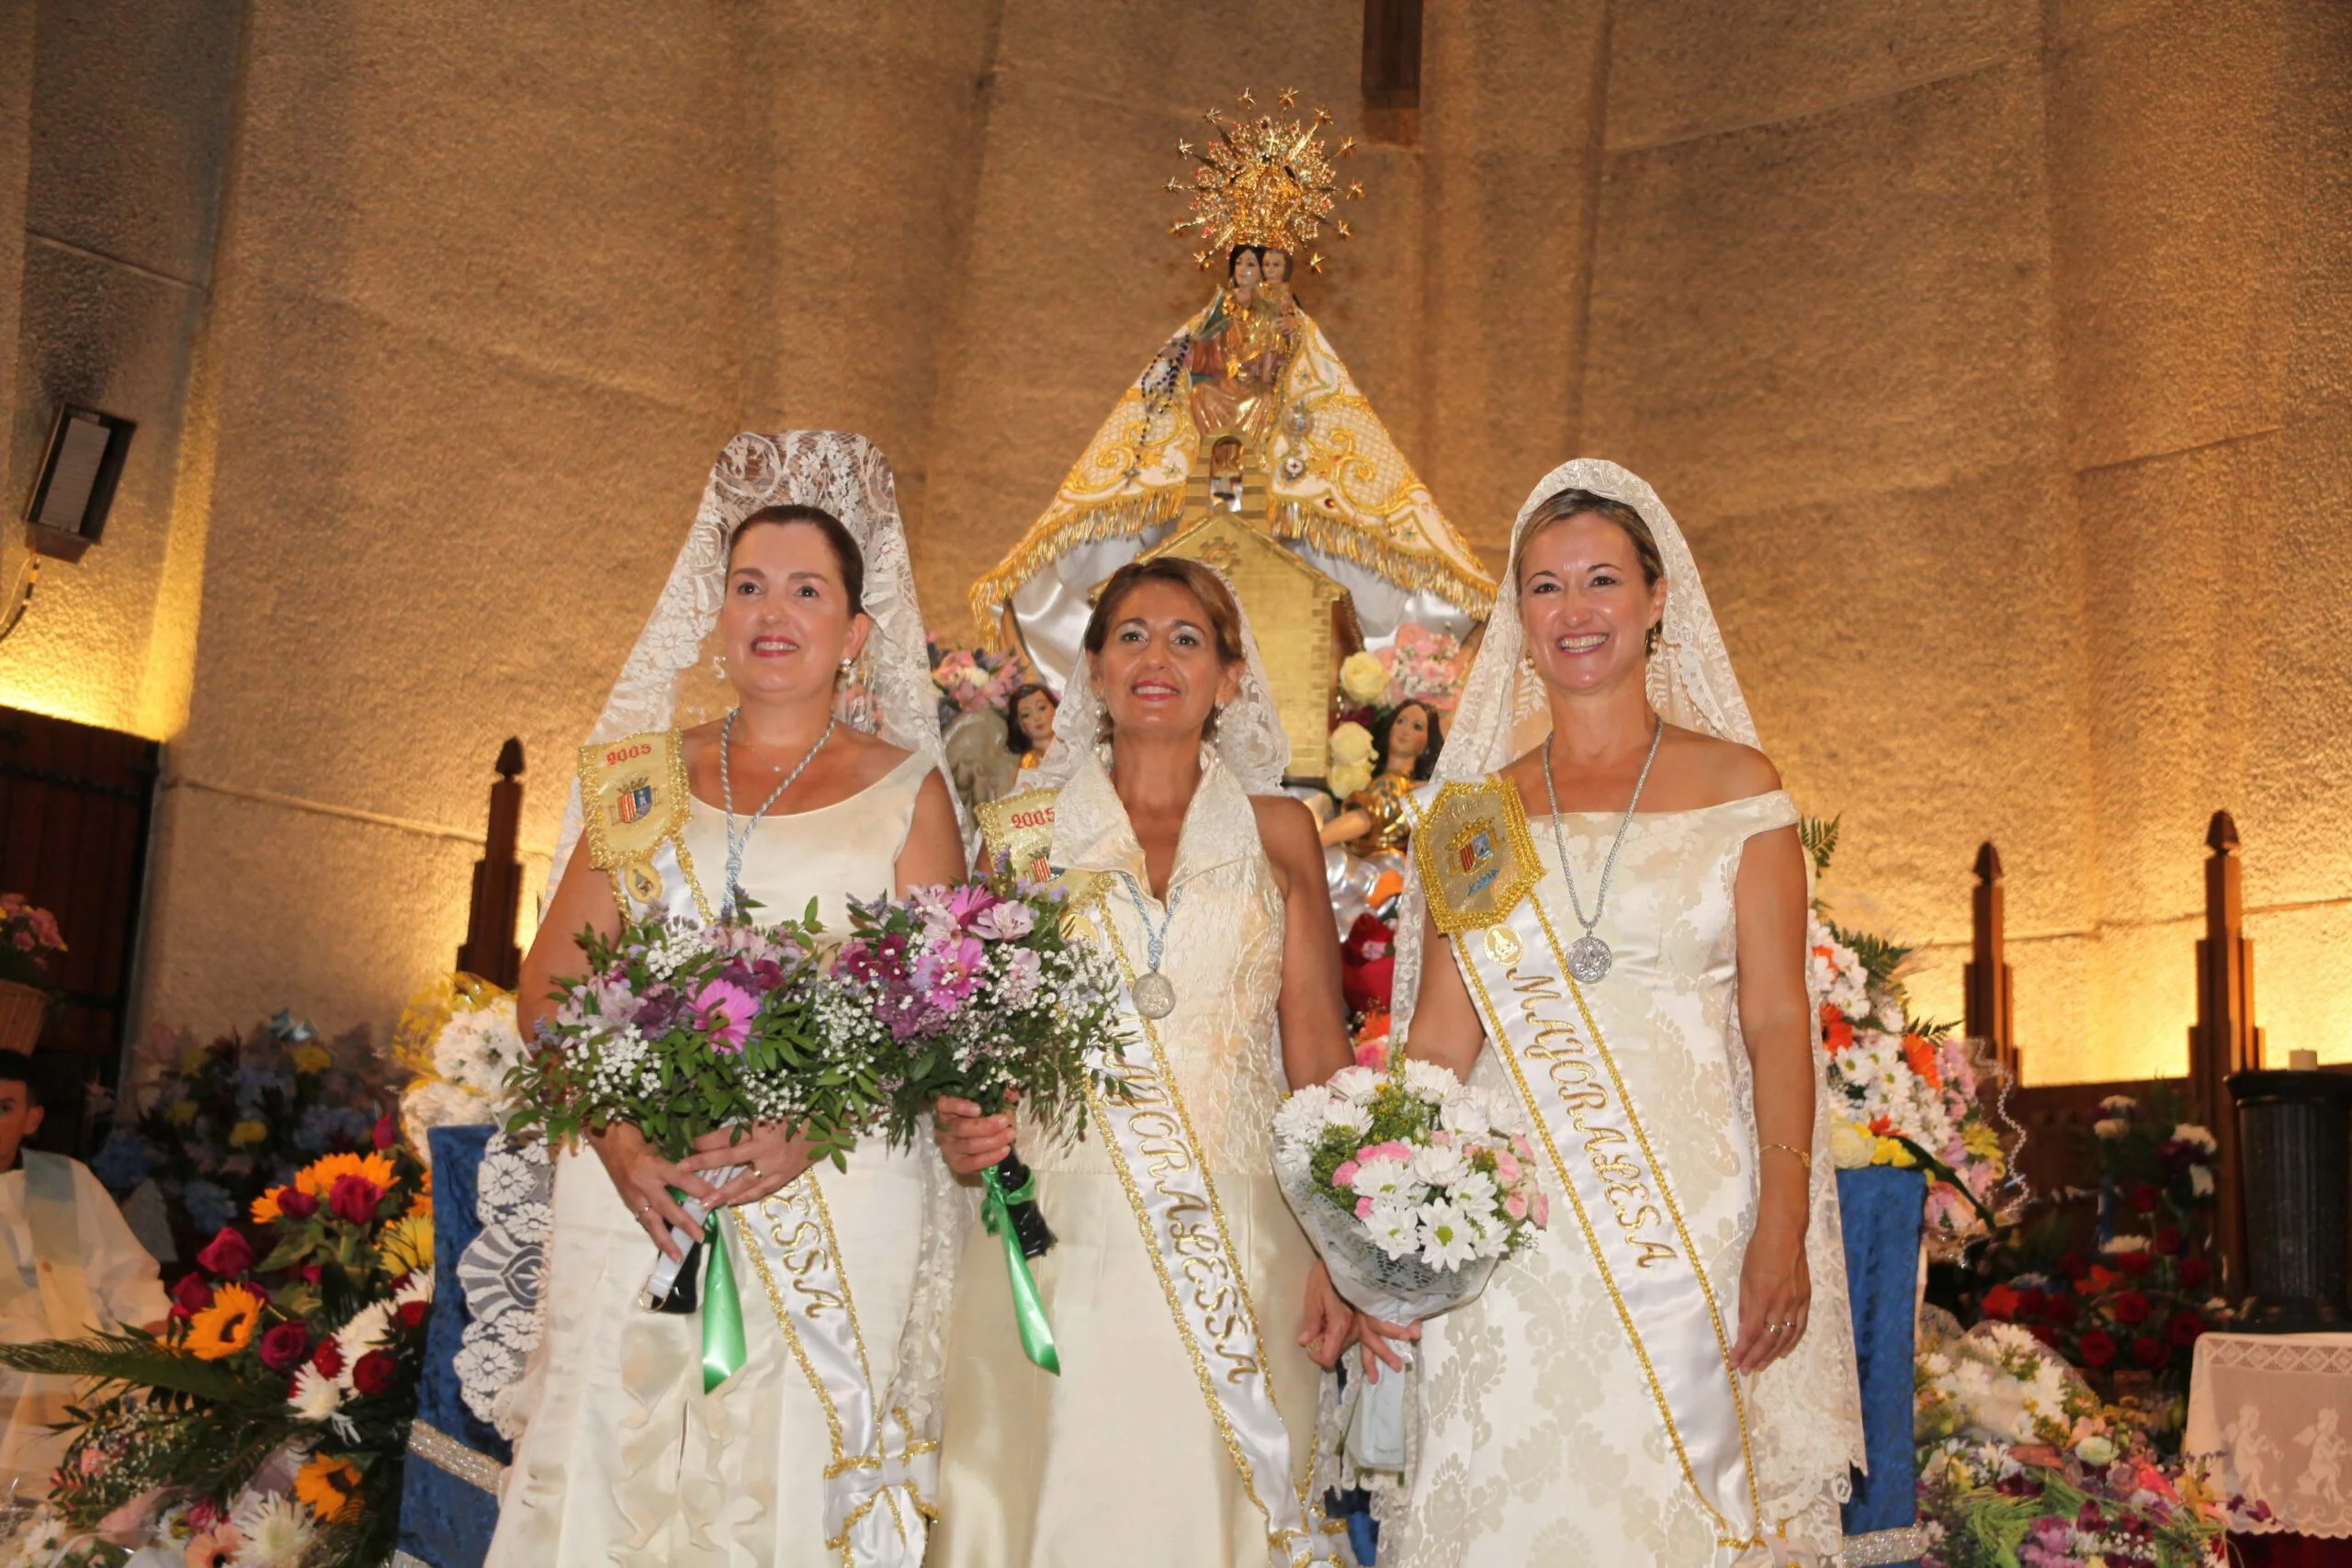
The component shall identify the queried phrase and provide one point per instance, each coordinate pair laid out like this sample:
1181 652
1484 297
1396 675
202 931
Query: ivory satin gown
1539 1442
626 1459
1117 1460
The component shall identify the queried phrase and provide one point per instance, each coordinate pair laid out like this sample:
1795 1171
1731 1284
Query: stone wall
1993 354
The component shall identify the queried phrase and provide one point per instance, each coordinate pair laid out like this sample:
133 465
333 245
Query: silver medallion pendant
1156 997
1588 959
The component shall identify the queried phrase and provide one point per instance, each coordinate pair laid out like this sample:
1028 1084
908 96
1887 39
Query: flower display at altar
27 936
2022 1466
1904 1091
971 680
459 1042
266 1427
216 1125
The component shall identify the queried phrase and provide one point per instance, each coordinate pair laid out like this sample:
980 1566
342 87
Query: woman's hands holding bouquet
772 1160
969 1140
772 1156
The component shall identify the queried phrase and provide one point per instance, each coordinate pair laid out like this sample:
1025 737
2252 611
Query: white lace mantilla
2274 1411
501 1272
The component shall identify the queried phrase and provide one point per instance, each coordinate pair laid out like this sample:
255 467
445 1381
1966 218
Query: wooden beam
2224 1039
490 950
1989 1011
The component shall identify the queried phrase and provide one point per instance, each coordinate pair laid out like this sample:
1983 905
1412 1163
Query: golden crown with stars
1261 182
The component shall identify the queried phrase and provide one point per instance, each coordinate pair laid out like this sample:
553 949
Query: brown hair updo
1216 603
847 557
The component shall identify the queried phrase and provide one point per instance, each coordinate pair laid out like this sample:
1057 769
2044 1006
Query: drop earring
718 665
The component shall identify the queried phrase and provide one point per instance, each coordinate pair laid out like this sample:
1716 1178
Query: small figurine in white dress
1615 939
626 1459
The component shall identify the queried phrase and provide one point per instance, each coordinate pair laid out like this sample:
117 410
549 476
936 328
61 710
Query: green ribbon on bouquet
1028 1311
723 1350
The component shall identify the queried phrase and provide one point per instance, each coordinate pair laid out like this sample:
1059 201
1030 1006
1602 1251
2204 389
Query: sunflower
406 1245
226 1326
318 1177
328 1486
265 1211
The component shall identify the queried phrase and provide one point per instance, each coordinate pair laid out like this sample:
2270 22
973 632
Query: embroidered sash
1480 872
1166 1182
633 802
879 1484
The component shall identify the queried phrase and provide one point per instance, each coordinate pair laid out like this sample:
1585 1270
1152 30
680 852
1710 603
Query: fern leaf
136 1358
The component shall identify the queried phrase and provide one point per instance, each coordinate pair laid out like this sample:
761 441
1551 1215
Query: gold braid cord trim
445 1454
1354 497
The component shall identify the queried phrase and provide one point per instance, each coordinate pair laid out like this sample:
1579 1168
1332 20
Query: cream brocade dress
1539 1440
626 1459
1117 1460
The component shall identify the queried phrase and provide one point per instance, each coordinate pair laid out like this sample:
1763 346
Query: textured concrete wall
1993 354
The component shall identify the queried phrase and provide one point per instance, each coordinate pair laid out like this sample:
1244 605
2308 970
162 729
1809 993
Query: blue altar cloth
446 1511
1883 1208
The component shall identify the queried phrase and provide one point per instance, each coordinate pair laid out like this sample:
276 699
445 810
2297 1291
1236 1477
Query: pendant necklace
1154 994
738 842
1589 956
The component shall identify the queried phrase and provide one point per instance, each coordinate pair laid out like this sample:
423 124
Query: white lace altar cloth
2276 1410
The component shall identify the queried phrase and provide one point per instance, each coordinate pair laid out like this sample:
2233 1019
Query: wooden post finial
1986 980
2224 1040
490 950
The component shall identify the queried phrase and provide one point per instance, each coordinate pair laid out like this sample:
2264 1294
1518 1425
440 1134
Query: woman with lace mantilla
626 1458
1614 938
1180 1433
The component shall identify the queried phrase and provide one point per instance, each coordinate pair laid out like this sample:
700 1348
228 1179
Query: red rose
2045 1332
2129 1307
2064 1306
374 1372
312 1273
2194 1272
295 1204
386 1133
2032 1304
328 1358
2143 1197
2185 1327
2098 1348
353 1199
191 1295
2168 1239
2134 1263
2148 1352
284 1346
227 1253
413 1314
2001 1302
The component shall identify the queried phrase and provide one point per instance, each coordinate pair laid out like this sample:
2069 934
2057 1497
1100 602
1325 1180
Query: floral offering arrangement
460 1044
27 936
682 1030
970 991
2021 1466
969 680
1405 1179
215 1126
1904 1091
266 1427
2131 1303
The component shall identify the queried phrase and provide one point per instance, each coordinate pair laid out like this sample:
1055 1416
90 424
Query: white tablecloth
2276 1411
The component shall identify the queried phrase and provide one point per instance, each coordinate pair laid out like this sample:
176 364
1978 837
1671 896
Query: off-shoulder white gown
1539 1444
626 1459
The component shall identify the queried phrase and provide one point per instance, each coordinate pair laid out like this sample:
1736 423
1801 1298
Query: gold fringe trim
1473 595
1053 538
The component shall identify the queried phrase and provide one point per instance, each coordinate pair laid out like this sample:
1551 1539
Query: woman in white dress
798 558
1180 1431
1614 938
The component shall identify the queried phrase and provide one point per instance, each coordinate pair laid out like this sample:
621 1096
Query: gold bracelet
1803 1158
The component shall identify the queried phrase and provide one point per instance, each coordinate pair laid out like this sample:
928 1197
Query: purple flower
658 1010
969 901
949 970
1007 921
725 1012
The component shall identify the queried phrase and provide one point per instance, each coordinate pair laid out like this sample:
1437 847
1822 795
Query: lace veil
1251 740
1810 1425
667 683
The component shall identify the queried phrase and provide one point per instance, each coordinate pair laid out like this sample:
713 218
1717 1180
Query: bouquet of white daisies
1409 1185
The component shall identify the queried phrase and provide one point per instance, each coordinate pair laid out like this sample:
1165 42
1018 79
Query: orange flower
329 1487
318 1178
1922 1057
1836 1032
265 1207
225 1327
421 1204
